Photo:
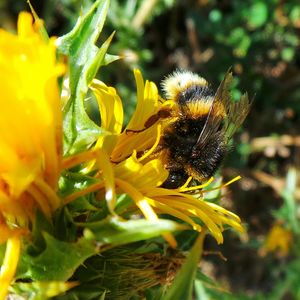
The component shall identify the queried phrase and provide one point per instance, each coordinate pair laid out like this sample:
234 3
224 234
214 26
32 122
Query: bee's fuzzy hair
179 81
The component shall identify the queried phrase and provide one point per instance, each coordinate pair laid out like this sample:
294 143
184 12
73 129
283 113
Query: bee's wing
225 116
236 114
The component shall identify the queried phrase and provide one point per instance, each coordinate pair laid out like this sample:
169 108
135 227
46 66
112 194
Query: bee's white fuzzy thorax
179 81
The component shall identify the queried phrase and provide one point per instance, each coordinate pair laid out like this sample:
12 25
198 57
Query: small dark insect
199 126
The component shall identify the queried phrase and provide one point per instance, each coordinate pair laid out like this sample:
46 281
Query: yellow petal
194 211
128 168
25 28
129 142
111 112
110 105
9 265
163 208
152 174
147 102
147 105
139 199
109 179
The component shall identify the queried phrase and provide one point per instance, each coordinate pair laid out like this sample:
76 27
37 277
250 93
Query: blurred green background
260 41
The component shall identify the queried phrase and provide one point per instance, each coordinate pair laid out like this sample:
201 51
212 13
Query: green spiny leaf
85 58
42 290
99 58
182 286
114 231
59 260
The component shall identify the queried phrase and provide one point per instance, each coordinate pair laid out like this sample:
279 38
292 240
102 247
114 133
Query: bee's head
179 81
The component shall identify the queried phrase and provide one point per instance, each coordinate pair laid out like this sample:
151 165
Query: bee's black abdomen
193 93
188 155
207 160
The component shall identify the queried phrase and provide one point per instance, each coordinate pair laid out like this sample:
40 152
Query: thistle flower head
30 123
30 130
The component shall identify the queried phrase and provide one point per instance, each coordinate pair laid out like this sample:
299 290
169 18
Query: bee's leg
134 131
161 114
177 178
151 121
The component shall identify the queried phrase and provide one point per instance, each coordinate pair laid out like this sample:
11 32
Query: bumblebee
198 127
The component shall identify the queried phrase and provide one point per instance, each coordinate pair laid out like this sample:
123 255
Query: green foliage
85 60
288 211
41 290
117 232
59 260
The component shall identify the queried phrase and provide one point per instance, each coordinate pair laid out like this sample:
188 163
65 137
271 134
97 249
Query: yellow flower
278 240
140 176
31 134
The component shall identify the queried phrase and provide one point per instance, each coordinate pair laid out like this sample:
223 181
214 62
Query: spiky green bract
85 59
126 272
182 286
